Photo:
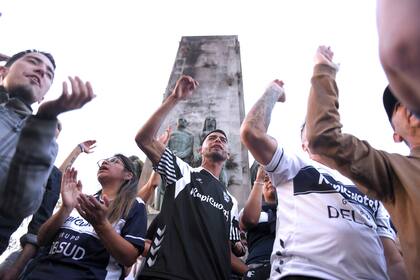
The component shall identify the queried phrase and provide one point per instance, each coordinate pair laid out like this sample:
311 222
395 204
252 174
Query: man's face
215 147
405 124
29 77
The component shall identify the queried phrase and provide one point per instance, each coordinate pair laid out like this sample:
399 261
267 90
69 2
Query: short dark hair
213 131
18 55
390 102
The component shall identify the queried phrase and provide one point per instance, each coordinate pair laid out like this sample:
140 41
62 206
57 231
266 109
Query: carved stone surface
214 61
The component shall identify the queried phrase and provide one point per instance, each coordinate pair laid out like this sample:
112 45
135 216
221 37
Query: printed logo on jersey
305 182
350 193
355 206
78 224
156 245
64 245
210 200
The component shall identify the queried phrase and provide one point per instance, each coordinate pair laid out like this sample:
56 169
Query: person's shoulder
139 201
138 208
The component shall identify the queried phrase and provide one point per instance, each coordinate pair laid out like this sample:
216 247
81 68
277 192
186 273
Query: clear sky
127 50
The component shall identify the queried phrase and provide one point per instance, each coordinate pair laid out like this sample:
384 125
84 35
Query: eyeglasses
111 160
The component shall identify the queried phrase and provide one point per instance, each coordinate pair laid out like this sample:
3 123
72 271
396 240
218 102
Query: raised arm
146 137
354 158
146 191
254 127
252 210
70 190
399 41
84 147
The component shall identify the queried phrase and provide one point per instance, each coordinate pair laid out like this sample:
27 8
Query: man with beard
192 236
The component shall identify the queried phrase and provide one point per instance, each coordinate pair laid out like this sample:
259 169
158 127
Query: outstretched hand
184 87
92 210
88 146
324 55
71 188
81 94
277 87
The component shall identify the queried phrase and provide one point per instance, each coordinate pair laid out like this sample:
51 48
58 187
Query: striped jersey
192 237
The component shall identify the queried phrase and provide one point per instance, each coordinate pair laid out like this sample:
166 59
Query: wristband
81 148
258 182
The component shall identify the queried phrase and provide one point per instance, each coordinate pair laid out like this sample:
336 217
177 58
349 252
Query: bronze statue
181 142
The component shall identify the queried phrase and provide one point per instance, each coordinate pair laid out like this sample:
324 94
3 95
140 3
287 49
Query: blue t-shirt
77 252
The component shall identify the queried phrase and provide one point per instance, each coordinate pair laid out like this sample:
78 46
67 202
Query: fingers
69 176
106 200
88 146
85 206
185 86
279 83
79 186
260 173
74 84
277 87
65 89
81 93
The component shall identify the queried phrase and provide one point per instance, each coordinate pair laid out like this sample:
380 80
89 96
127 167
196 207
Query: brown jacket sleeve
355 159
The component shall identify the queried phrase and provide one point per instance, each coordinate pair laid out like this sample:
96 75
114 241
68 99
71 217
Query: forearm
252 209
71 158
352 157
238 266
28 252
255 125
122 250
29 169
147 190
145 138
50 228
395 263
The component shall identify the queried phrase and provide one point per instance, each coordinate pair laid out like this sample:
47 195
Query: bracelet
258 182
81 148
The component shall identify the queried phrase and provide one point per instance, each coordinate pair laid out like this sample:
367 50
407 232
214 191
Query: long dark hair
121 205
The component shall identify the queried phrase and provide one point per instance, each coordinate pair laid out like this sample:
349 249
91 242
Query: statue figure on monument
181 142
209 125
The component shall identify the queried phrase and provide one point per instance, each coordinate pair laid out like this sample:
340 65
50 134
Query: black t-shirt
192 237
260 238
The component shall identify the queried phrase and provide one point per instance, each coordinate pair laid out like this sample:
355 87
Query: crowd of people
344 211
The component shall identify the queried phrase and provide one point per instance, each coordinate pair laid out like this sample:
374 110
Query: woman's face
269 191
112 169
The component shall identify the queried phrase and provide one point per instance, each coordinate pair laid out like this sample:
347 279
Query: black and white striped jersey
192 236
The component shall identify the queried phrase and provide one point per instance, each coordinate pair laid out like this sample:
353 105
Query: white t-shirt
325 228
